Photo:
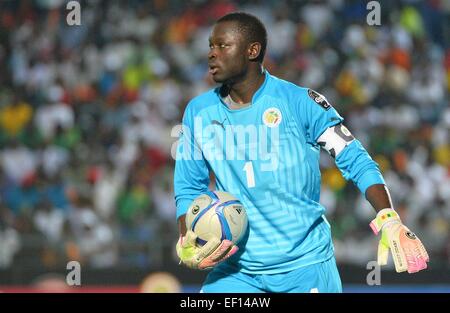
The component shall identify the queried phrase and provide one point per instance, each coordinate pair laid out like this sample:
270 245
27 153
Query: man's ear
254 49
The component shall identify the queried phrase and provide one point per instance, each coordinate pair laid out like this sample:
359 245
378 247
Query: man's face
228 53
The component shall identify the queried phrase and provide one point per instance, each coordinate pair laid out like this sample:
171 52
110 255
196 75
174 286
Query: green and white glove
206 256
407 250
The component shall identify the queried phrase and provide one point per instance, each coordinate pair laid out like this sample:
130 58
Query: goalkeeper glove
205 257
407 250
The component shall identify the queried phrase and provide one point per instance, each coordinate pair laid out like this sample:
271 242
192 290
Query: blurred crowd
87 116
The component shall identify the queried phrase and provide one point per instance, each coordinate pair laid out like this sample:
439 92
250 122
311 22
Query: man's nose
212 54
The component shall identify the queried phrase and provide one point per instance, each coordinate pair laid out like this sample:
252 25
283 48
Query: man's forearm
182 224
379 197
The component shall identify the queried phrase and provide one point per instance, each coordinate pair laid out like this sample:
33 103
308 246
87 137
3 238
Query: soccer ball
217 214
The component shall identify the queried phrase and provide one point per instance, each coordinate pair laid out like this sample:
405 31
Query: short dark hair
253 29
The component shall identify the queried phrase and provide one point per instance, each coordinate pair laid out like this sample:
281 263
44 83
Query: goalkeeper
288 247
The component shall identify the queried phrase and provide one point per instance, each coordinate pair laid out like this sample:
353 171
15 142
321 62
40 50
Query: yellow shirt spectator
14 118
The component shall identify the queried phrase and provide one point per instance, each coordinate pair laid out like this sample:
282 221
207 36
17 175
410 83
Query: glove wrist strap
384 216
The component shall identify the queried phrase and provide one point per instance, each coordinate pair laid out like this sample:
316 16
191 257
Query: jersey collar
259 93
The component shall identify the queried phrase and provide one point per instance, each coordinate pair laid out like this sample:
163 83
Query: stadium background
87 113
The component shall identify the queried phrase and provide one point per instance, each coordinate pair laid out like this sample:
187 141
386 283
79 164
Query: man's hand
205 257
407 250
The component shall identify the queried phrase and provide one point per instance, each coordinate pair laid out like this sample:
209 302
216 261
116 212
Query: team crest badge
272 117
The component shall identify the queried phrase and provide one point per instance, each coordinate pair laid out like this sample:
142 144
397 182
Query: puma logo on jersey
216 122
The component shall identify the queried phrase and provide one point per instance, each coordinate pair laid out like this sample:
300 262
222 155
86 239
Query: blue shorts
318 277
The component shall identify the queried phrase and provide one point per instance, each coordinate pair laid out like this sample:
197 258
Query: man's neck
242 92
234 105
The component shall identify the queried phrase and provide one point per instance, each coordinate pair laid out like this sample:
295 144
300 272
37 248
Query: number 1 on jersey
248 169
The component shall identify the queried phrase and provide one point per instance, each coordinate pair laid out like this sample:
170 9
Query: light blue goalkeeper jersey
267 156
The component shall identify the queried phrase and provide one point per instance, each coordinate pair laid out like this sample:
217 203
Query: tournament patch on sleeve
319 99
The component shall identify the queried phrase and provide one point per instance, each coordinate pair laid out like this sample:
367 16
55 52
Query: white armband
335 139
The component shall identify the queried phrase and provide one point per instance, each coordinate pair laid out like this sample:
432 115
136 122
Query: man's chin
218 79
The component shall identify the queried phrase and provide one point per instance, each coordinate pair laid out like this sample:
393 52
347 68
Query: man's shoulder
300 92
203 100
289 86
